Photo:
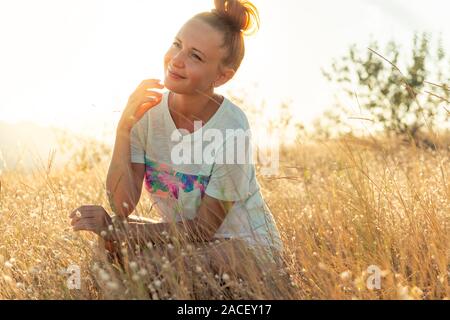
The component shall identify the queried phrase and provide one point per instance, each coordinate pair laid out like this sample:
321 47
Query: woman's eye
194 55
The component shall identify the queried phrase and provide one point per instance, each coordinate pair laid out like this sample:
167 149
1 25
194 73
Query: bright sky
74 63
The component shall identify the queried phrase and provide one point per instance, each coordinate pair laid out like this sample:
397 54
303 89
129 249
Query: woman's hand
90 218
140 101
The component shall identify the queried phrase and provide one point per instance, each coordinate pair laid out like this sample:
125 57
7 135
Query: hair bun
240 15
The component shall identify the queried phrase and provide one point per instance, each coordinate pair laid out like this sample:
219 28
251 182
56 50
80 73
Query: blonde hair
235 19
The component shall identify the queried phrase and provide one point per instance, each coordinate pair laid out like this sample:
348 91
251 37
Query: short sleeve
230 180
137 143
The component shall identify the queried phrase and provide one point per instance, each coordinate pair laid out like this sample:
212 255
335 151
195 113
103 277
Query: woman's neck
194 107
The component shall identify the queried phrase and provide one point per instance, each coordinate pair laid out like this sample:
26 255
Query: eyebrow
192 48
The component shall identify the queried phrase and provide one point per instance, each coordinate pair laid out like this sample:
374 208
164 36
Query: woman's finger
152 82
83 226
89 214
74 221
77 219
144 107
155 83
80 211
75 213
91 211
153 92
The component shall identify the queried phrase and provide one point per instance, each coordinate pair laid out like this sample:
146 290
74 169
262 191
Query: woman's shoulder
234 116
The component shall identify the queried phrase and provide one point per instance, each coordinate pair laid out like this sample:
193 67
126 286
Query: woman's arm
124 180
202 228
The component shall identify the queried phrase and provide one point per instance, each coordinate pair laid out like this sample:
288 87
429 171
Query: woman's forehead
199 35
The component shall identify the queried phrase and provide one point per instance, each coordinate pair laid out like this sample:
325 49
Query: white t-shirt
176 187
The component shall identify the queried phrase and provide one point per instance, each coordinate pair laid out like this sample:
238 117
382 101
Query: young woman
204 200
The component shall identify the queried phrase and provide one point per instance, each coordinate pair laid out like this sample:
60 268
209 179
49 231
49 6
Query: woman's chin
173 86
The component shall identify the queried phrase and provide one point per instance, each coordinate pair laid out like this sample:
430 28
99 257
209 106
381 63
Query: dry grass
341 206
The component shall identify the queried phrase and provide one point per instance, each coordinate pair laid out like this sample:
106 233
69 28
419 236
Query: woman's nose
178 60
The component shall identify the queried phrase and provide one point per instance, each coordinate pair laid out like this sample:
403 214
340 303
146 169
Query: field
360 219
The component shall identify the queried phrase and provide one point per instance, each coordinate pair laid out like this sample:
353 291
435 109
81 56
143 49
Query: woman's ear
224 77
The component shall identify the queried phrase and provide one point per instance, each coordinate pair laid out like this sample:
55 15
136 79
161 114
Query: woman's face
195 54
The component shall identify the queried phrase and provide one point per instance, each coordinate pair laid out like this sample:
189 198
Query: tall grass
341 206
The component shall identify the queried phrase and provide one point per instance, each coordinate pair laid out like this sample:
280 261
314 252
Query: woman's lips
175 76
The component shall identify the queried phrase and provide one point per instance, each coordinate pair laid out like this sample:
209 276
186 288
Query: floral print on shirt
161 180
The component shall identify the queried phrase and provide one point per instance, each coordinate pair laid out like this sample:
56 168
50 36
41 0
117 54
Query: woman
203 200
